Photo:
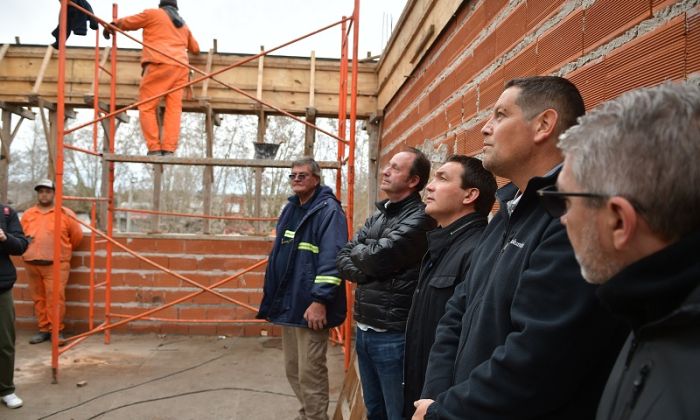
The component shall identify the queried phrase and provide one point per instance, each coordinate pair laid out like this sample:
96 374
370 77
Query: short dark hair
420 167
311 163
539 93
474 175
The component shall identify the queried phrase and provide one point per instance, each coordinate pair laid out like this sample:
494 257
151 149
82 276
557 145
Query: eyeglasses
555 203
298 175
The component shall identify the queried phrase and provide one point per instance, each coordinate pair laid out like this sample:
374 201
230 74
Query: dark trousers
7 343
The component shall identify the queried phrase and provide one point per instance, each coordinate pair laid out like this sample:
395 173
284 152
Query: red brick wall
605 46
138 286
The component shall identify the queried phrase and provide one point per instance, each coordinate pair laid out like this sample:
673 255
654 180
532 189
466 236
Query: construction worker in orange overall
164 30
38 225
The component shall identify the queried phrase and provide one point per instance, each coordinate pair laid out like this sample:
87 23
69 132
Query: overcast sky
240 26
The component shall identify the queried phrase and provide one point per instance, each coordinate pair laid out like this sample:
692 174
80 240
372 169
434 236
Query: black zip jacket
443 267
524 336
383 259
656 375
15 244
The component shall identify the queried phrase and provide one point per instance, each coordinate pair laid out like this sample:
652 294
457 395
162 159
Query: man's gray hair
643 146
311 163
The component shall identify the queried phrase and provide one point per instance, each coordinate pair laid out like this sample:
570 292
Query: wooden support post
261 66
42 70
311 111
6 137
7 134
373 125
3 50
262 127
312 80
103 62
50 129
51 137
208 170
205 83
310 132
104 191
104 184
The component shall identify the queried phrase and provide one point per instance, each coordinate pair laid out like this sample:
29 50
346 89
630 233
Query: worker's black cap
168 3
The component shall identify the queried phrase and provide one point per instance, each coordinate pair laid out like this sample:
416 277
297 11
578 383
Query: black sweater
444 266
656 375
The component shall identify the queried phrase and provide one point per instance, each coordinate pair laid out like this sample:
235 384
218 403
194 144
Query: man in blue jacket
12 242
523 337
303 291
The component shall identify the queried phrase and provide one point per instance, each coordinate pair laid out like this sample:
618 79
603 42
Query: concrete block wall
606 47
137 286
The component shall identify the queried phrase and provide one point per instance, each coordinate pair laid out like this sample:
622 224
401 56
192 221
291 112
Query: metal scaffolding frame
110 116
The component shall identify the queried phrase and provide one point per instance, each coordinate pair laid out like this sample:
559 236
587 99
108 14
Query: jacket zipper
628 359
638 386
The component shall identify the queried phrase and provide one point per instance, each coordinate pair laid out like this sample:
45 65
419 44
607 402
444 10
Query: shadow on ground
160 377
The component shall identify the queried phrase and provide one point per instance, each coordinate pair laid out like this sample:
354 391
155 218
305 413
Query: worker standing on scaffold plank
164 30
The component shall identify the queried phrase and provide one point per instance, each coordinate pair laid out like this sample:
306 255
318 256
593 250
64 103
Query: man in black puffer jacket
12 242
383 259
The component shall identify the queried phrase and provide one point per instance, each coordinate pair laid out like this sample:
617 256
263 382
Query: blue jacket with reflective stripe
311 274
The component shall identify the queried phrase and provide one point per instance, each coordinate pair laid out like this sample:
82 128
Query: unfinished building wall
606 47
138 286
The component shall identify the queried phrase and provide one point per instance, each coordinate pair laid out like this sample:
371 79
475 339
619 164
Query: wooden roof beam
18 110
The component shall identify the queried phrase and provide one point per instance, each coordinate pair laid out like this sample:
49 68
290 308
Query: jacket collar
441 238
389 208
529 196
662 288
294 199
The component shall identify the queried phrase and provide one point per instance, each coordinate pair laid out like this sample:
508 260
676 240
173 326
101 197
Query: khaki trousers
307 373
41 288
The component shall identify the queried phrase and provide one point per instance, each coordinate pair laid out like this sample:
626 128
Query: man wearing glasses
523 336
628 195
303 291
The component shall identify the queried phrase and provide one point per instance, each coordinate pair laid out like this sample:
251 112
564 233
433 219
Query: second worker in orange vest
38 224
166 31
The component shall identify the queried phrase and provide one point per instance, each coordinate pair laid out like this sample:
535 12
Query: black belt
39 262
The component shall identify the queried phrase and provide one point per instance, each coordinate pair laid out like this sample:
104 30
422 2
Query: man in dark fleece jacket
459 198
628 195
12 242
523 337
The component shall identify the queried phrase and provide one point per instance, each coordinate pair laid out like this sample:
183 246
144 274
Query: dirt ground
160 377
